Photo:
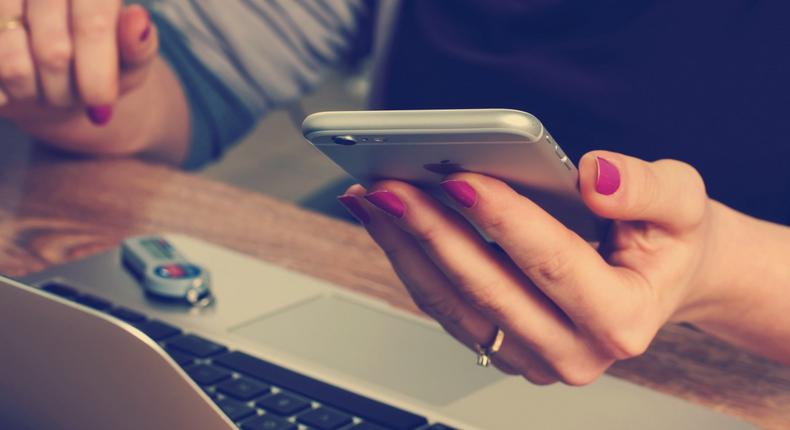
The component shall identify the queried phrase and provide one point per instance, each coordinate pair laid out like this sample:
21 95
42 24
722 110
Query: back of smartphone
424 146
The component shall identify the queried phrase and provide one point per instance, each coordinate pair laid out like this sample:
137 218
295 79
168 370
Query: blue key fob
164 272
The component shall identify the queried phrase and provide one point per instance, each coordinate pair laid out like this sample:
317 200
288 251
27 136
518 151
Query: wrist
747 299
717 288
151 121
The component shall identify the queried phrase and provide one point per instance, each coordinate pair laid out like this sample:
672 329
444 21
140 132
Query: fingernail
461 191
388 202
355 208
100 115
608 180
146 33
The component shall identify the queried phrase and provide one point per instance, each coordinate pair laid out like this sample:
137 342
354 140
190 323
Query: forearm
150 121
751 307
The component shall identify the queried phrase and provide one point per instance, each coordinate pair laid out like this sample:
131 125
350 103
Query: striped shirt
239 59
649 78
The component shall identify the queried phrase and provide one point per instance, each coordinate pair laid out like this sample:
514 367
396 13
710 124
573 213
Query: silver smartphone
422 147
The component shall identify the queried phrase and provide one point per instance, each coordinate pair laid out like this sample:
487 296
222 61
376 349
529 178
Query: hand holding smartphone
422 147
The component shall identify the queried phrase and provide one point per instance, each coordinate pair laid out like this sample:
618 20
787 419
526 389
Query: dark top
702 82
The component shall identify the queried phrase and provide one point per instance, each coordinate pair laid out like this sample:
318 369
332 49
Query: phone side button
567 162
560 153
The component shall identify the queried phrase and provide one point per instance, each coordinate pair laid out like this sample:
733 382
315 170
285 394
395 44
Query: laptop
82 347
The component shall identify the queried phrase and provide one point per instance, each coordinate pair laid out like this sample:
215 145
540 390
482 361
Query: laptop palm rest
417 359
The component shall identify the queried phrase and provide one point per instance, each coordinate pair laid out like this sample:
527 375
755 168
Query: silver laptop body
66 366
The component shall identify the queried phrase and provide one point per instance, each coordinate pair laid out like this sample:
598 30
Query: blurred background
276 160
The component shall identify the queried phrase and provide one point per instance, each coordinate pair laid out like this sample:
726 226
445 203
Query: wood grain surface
56 209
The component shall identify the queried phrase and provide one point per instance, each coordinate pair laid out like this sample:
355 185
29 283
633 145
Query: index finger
559 262
94 26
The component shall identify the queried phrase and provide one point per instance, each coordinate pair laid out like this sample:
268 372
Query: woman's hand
568 311
85 76
71 58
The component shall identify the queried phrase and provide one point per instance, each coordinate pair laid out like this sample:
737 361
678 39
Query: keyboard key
128 315
324 419
283 404
366 426
196 345
93 302
360 406
180 358
206 374
267 422
157 330
243 388
235 410
61 290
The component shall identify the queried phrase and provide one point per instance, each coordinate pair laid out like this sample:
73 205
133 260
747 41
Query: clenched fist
60 58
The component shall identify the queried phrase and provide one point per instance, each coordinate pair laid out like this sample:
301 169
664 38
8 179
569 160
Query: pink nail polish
608 180
146 33
388 202
461 192
355 208
100 115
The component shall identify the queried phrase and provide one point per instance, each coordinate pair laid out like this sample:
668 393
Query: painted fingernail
608 180
388 202
100 115
146 33
461 191
355 208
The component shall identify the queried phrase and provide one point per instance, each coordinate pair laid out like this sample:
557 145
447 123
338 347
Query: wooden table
54 209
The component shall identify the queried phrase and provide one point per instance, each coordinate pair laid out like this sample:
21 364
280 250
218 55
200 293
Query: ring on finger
484 353
11 23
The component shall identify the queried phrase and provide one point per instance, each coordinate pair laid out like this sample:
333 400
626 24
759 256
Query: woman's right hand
71 58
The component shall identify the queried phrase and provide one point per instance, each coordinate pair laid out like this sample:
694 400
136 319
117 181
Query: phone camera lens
344 140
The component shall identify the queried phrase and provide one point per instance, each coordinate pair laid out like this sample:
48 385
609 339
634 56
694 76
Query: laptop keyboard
253 393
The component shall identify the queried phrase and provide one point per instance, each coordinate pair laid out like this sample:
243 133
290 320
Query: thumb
669 193
138 40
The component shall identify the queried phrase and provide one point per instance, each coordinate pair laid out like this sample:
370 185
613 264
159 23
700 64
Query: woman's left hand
568 311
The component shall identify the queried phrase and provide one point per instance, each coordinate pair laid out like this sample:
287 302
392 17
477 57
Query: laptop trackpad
403 355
